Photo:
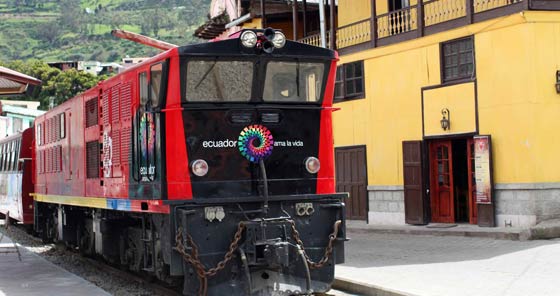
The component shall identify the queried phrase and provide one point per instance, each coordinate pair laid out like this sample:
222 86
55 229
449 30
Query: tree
70 14
49 32
68 84
62 85
154 22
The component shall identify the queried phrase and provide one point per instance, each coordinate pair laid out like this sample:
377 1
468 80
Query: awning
15 83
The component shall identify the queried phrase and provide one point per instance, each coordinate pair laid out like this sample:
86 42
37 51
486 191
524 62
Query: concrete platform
34 275
390 264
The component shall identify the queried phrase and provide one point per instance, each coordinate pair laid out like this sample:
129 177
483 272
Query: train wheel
29 229
85 238
48 230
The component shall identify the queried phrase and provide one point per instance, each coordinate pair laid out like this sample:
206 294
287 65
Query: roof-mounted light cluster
266 40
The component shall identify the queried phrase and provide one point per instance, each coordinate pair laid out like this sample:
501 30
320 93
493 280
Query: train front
264 218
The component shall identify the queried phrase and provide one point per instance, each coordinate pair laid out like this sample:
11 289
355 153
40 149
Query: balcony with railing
397 22
354 33
315 39
425 18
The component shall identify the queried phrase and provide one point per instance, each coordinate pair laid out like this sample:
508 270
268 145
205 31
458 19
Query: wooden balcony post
263 15
304 18
469 5
420 15
373 24
295 18
332 32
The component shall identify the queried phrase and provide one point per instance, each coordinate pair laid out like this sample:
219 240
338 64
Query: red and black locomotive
209 163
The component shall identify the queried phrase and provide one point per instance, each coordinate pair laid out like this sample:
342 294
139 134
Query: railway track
154 286
107 277
111 279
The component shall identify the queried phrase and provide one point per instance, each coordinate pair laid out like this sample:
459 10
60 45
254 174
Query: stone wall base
526 204
385 218
386 205
519 205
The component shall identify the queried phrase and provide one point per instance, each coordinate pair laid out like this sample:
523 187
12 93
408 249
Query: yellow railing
439 11
315 39
406 20
483 5
353 34
397 22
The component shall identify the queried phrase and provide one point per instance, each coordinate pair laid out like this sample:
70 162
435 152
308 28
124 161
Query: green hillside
80 30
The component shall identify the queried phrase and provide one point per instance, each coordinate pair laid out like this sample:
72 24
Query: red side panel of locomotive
91 146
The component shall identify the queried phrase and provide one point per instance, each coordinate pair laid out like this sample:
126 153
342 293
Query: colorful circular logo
255 142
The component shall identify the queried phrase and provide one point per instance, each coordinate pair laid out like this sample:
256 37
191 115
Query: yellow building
449 111
448 108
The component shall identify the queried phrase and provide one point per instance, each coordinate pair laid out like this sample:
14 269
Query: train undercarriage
213 247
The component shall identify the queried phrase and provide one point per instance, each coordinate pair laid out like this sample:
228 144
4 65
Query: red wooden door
441 182
473 209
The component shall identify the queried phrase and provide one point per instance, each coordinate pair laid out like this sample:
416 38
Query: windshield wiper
206 74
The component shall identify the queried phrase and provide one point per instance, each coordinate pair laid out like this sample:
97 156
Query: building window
398 4
349 82
457 59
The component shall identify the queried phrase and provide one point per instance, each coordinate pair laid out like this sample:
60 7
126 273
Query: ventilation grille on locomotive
91 112
241 117
270 117
92 159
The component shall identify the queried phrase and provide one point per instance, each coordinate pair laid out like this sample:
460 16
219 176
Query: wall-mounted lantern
446 120
558 82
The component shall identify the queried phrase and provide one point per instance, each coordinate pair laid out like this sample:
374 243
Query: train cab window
1 157
13 156
219 81
62 121
293 82
4 156
38 136
143 84
156 84
7 157
10 155
18 163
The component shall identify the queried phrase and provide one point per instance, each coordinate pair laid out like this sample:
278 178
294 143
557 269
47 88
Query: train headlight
312 165
199 167
279 39
249 39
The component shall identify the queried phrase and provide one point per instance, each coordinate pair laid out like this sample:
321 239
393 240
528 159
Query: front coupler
238 249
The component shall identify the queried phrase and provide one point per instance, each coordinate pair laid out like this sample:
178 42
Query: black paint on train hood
212 135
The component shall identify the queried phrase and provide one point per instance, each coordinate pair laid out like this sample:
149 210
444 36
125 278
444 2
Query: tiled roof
213 27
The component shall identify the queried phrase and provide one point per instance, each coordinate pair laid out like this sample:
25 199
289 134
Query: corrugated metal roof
5 83
16 76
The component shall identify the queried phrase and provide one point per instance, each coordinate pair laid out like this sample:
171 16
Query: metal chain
193 259
328 249
204 274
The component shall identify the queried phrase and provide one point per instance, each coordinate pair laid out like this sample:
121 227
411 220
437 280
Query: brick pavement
450 265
